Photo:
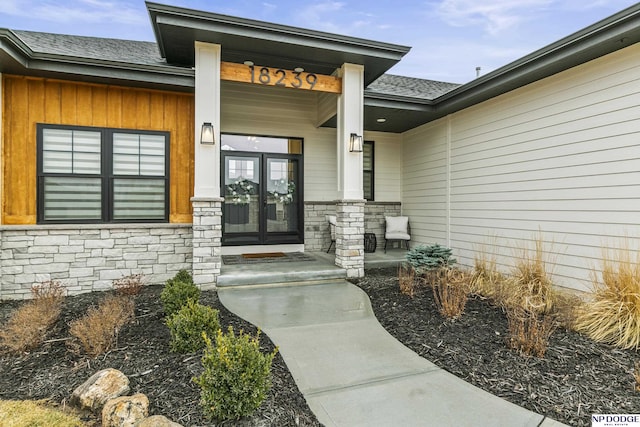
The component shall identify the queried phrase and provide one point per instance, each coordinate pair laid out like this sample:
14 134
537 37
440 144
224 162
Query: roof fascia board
399 103
16 48
188 18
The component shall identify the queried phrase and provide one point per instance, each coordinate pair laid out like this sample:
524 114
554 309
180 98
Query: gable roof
265 43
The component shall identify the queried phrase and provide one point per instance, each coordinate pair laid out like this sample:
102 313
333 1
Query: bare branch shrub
29 325
129 285
97 331
613 316
407 279
451 292
529 331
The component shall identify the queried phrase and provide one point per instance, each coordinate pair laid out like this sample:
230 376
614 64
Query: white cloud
494 17
317 16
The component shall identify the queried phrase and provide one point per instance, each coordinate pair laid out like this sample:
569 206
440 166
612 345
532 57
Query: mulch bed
53 372
576 378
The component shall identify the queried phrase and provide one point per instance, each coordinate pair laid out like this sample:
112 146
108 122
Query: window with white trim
102 175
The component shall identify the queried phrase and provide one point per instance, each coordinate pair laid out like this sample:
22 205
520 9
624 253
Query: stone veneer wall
87 258
316 228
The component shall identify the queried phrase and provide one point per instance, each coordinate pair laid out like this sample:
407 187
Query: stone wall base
350 236
207 241
86 258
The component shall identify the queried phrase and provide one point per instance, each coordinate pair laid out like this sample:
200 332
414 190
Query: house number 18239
281 77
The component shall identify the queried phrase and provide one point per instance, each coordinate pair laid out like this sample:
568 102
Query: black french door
263 198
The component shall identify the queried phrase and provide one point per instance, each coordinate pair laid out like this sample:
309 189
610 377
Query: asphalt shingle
389 84
126 51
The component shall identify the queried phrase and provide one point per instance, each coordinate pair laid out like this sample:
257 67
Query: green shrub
187 325
429 258
183 276
236 377
178 291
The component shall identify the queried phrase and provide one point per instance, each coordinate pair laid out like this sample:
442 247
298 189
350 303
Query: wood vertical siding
560 156
28 101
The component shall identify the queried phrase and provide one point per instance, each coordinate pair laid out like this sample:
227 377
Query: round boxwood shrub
177 291
236 377
188 325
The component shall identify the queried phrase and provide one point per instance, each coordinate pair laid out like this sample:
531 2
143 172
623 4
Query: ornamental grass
612 316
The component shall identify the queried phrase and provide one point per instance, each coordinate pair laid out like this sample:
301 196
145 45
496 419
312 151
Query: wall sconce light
355 143
206 135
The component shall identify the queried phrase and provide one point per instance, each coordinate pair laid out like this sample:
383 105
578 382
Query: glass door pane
282 195
241 194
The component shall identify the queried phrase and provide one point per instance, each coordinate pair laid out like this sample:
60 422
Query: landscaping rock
158 421
125 411
99 388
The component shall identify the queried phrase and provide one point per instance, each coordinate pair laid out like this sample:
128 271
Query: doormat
264 255
266 258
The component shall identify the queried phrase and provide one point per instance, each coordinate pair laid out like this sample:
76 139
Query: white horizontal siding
388 165
424 182
560 157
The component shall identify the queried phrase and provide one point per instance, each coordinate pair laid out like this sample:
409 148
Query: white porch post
206 201
350 203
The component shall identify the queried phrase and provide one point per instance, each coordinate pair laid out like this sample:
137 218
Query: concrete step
280 273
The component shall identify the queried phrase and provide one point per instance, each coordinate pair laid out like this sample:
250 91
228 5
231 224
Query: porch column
206 201
350 203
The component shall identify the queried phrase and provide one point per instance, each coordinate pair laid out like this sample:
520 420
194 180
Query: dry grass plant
613 315
530 285
97 331
29 325
486 281
529 331
129 285
407 279
451 292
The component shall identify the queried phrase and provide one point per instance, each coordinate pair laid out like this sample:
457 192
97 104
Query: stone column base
207 241
350 236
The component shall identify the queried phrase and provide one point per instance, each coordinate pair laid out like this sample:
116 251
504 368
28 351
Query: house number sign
268 76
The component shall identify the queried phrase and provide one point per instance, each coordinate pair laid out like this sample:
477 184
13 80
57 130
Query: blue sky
449 38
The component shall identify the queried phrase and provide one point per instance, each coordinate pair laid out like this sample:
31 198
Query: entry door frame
263 237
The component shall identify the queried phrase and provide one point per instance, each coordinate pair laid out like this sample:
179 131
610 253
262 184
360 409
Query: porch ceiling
268 44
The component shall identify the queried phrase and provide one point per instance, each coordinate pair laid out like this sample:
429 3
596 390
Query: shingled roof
389 84
126 51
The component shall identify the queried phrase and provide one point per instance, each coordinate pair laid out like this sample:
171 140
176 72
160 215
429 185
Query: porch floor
321 268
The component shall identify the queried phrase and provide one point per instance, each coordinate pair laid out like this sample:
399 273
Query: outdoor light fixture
355 143
206 135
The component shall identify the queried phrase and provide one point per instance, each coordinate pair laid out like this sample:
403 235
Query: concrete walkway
353 373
